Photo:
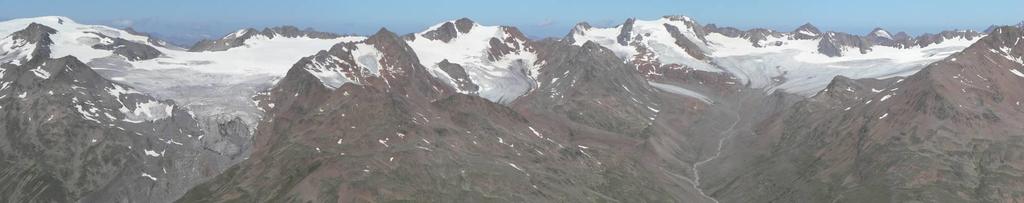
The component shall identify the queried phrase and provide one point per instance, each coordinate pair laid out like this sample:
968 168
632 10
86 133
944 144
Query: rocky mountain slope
566 140
946 134
70 135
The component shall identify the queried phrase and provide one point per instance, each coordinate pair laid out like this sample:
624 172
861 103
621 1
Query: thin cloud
123 22
546 23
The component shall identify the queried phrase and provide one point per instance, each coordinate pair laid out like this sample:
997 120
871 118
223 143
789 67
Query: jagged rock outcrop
930 39
21 46
806 31
132 51
835 44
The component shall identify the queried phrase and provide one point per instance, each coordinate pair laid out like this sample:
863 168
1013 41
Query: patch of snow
517 167
39 72
535 132
1017 72
171 141
148 176
237 34
147 111
808 33
681 91
153 153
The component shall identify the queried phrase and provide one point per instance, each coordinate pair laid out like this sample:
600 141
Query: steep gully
725 135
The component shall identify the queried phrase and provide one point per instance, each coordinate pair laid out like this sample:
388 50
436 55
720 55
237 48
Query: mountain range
663 110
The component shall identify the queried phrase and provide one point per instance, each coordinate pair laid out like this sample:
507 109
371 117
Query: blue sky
189 20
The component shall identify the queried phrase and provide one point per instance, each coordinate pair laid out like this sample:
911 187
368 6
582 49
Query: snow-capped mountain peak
881 33
86 42
806 31
490 61
671 42
23 45
448 30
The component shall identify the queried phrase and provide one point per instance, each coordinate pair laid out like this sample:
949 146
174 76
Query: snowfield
805 71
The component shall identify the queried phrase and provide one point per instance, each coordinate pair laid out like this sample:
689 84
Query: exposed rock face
848 92
459 74
691 47
727 31
227 42
756 36
132 51
834 44
449 30
22 45
945 134
806 31
929 39
444 33
882 37
514 42
581 28
35 34
239 37
626 32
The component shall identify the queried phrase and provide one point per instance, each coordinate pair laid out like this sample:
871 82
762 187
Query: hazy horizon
185 22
